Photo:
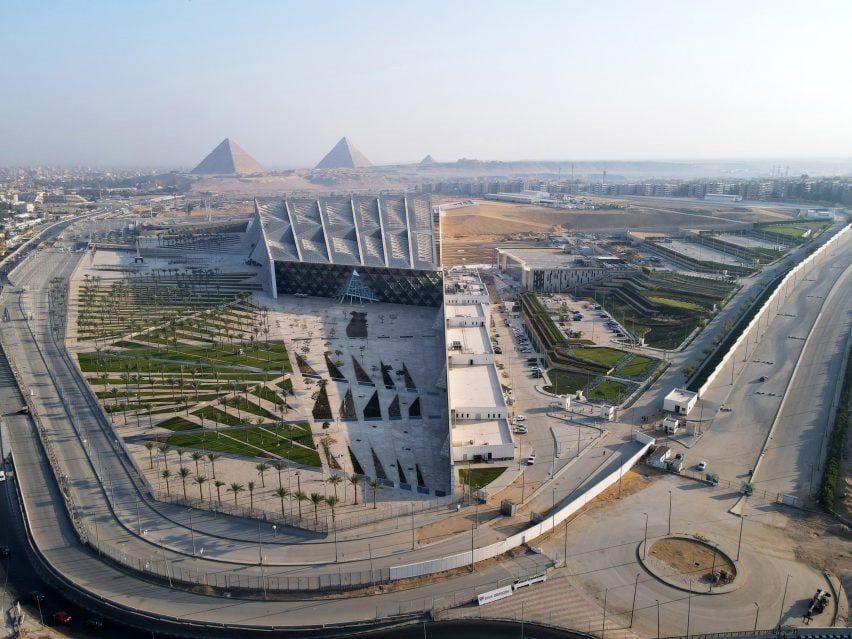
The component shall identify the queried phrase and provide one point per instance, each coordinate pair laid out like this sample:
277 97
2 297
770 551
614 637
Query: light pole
645 540
633 606
658 618
740 540
603 623
191 531
783 600
756 615
688 608
670 512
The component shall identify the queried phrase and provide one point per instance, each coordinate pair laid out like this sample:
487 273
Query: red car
62 618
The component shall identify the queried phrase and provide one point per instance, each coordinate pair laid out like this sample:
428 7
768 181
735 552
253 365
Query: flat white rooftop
474 339
464 310
483 433
681 396
475 386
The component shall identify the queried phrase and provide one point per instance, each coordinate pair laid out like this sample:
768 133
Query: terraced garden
190 353
663 308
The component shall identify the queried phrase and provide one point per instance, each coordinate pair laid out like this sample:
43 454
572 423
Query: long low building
479 426
554 270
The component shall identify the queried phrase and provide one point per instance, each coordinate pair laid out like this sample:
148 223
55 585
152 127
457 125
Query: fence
546 525
795 275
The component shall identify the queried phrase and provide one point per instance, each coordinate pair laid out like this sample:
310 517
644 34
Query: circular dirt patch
693 559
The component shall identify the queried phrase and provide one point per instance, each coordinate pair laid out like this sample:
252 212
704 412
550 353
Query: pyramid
228 159
427 160
344 156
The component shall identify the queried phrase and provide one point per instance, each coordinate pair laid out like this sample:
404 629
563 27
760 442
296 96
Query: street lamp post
756 615
688 608
740 540
603 623
670 512
191 531
783 601
658 618
645 540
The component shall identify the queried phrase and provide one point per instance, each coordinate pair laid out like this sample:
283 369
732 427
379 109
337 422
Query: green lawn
216 415
178 424
253 442
635 367
607 391
566 382
600 355
667 301
480 477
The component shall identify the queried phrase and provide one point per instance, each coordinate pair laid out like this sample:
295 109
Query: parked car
521 430
95 624
24 410
531 459
62 618
764 378
702 464
520 418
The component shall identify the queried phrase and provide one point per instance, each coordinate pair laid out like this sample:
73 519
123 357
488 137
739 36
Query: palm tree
334 480
282 493
165 475
150 447
180 453
213 457
184 473
261 469
251 486
164 449
332 502
376 485
316 500
278 466
196 457
218 484
236 488
200 479
300 497
355 479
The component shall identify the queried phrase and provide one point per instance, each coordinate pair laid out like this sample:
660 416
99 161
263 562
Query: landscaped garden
190 353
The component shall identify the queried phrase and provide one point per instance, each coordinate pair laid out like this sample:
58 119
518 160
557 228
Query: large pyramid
344 156
228 159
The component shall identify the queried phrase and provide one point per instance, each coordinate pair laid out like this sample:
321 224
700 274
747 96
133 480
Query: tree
334 480
355 479
300 497
218 484
332 502
165 475
184 473
180 453
213 457
278 466
200 479
196 457
316 500
251 485
164 449
282 493
261 470
376 485
150 447
236 489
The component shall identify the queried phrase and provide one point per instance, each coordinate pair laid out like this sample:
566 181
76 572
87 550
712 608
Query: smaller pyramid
344 156
427 160
228 159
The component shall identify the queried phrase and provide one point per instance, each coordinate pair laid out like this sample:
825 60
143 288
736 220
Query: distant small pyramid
344 156
228 159
427 160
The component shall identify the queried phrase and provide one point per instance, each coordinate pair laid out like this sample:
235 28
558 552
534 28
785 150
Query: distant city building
722 197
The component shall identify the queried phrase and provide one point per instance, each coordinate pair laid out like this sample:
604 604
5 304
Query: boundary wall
740 348
525 536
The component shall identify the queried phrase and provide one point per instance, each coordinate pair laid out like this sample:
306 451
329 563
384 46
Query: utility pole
633 606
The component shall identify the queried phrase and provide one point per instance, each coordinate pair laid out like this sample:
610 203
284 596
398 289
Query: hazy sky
160 83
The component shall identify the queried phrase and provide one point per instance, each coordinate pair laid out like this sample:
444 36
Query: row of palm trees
316 499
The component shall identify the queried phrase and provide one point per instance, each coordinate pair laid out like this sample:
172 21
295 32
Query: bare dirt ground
689 557
470 234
